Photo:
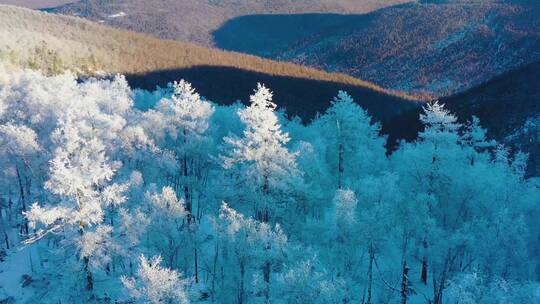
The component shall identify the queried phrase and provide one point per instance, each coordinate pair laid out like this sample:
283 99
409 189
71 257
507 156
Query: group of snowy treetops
116 195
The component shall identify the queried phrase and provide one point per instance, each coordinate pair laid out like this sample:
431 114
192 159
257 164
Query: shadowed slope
56 42
438 48
195 20
509 107
299 96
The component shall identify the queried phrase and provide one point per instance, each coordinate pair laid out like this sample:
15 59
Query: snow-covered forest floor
116 195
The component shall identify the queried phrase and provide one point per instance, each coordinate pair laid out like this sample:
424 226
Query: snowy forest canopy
114 195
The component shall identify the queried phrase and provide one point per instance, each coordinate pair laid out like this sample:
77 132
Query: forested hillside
419 47
438 48
195 20
54 43
509 106
136 170
113 195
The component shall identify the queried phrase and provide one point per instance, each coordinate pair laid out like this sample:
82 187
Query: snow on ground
19 262
120 14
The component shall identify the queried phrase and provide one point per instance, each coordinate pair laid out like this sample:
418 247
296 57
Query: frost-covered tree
260 157
248 244
473 288
437 147
187 118
166 213
353 142
80 187
133 226
476 137
308 282
437 173
345 203
80 179
346 229
377 201
19 144
157 285
116 173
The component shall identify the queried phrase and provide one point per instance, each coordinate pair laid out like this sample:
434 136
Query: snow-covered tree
157 285
19 144
116 173
308 282
80 178
345 203
166 214
353 142
261 157
437 174
187 118
473 288
249 244
345 220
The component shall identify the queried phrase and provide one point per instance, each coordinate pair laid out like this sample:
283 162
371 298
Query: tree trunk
187 191
112 215
185 174
340 155
404 283
4 226
370 273
263 214
214 270
10 205
423 275
340 166
241 292
196 260
23 199
424 272
89 277
86 260
266 276
439 288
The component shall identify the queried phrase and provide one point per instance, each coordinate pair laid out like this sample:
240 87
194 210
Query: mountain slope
36 4
78 44
438 48
56 42
195 20
423 47
509 107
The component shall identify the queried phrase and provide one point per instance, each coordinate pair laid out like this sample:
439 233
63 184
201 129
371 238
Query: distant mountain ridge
422 47
55 43
195 20
439 49
507 105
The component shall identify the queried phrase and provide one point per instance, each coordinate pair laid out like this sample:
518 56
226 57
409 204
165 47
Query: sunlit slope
37 4
55 43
